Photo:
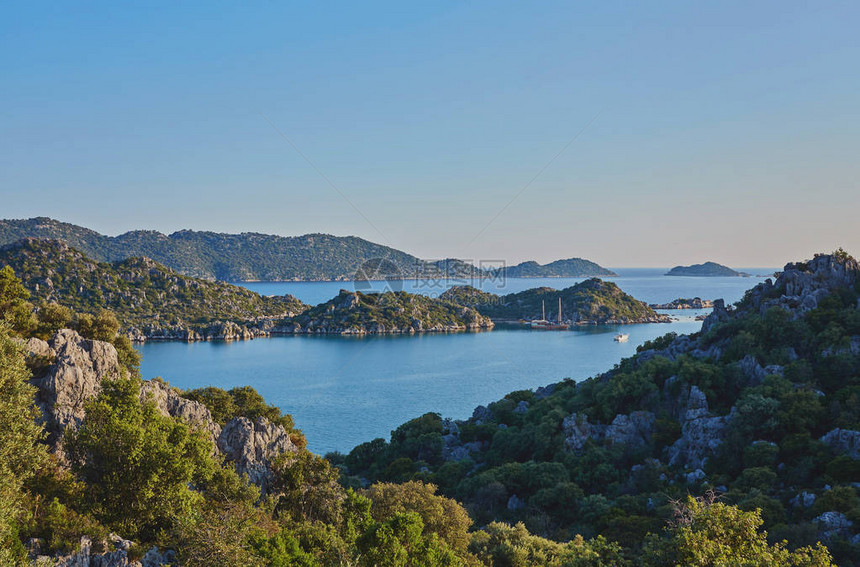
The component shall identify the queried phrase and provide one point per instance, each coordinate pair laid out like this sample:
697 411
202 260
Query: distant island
708 270
252 256
570 268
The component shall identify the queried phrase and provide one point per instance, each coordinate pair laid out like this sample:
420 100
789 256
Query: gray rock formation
833 524
718 315
701 432
75 376
169 402
117 557
633 430
843 441
253 445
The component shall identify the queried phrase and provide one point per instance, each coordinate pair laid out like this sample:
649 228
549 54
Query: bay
343 391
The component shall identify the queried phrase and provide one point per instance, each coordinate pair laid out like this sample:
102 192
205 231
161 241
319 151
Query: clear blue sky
726 131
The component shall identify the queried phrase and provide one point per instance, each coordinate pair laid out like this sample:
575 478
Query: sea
343 391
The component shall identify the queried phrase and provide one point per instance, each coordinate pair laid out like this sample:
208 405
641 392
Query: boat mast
559 310
543 310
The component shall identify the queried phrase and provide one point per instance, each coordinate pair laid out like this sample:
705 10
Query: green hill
593 301
141 292
390 312
570 268
762 407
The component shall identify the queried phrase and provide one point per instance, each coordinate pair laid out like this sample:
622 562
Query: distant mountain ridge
252 256
228 257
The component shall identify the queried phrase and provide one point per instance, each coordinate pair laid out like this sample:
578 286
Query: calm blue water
344 390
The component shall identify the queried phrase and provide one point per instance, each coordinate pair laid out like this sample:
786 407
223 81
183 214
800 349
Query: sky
629 133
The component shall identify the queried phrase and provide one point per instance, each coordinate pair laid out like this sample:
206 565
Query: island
707 270
393 312
570 268
592 302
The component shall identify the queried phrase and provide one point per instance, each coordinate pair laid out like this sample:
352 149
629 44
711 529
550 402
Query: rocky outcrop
78 368
169 402
843 441
832 525
118 556
252 445
75 375
633 430
701 432
718 315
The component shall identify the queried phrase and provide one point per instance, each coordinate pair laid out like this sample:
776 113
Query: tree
14 307
708 533
439 515
139 464
21 454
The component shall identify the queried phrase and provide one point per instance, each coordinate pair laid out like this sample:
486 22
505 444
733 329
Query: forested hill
141 292
762 406
228 257
570 268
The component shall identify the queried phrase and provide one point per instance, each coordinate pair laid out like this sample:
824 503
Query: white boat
621 338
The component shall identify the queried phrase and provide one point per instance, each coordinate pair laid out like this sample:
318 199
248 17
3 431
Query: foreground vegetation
776 381
133 471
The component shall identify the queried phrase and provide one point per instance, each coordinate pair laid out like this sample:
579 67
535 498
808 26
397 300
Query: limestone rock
169 402
844 441
701 432
833 524
718 315
633 430
253 445
75 376
118 557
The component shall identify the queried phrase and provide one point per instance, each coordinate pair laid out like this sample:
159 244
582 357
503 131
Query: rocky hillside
150 300
593 301
356 313
71 373
762 406
228 257
708 269
570 268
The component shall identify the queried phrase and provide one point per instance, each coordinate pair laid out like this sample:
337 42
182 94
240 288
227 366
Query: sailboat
545 325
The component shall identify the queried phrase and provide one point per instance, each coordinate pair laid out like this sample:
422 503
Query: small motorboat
621 338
